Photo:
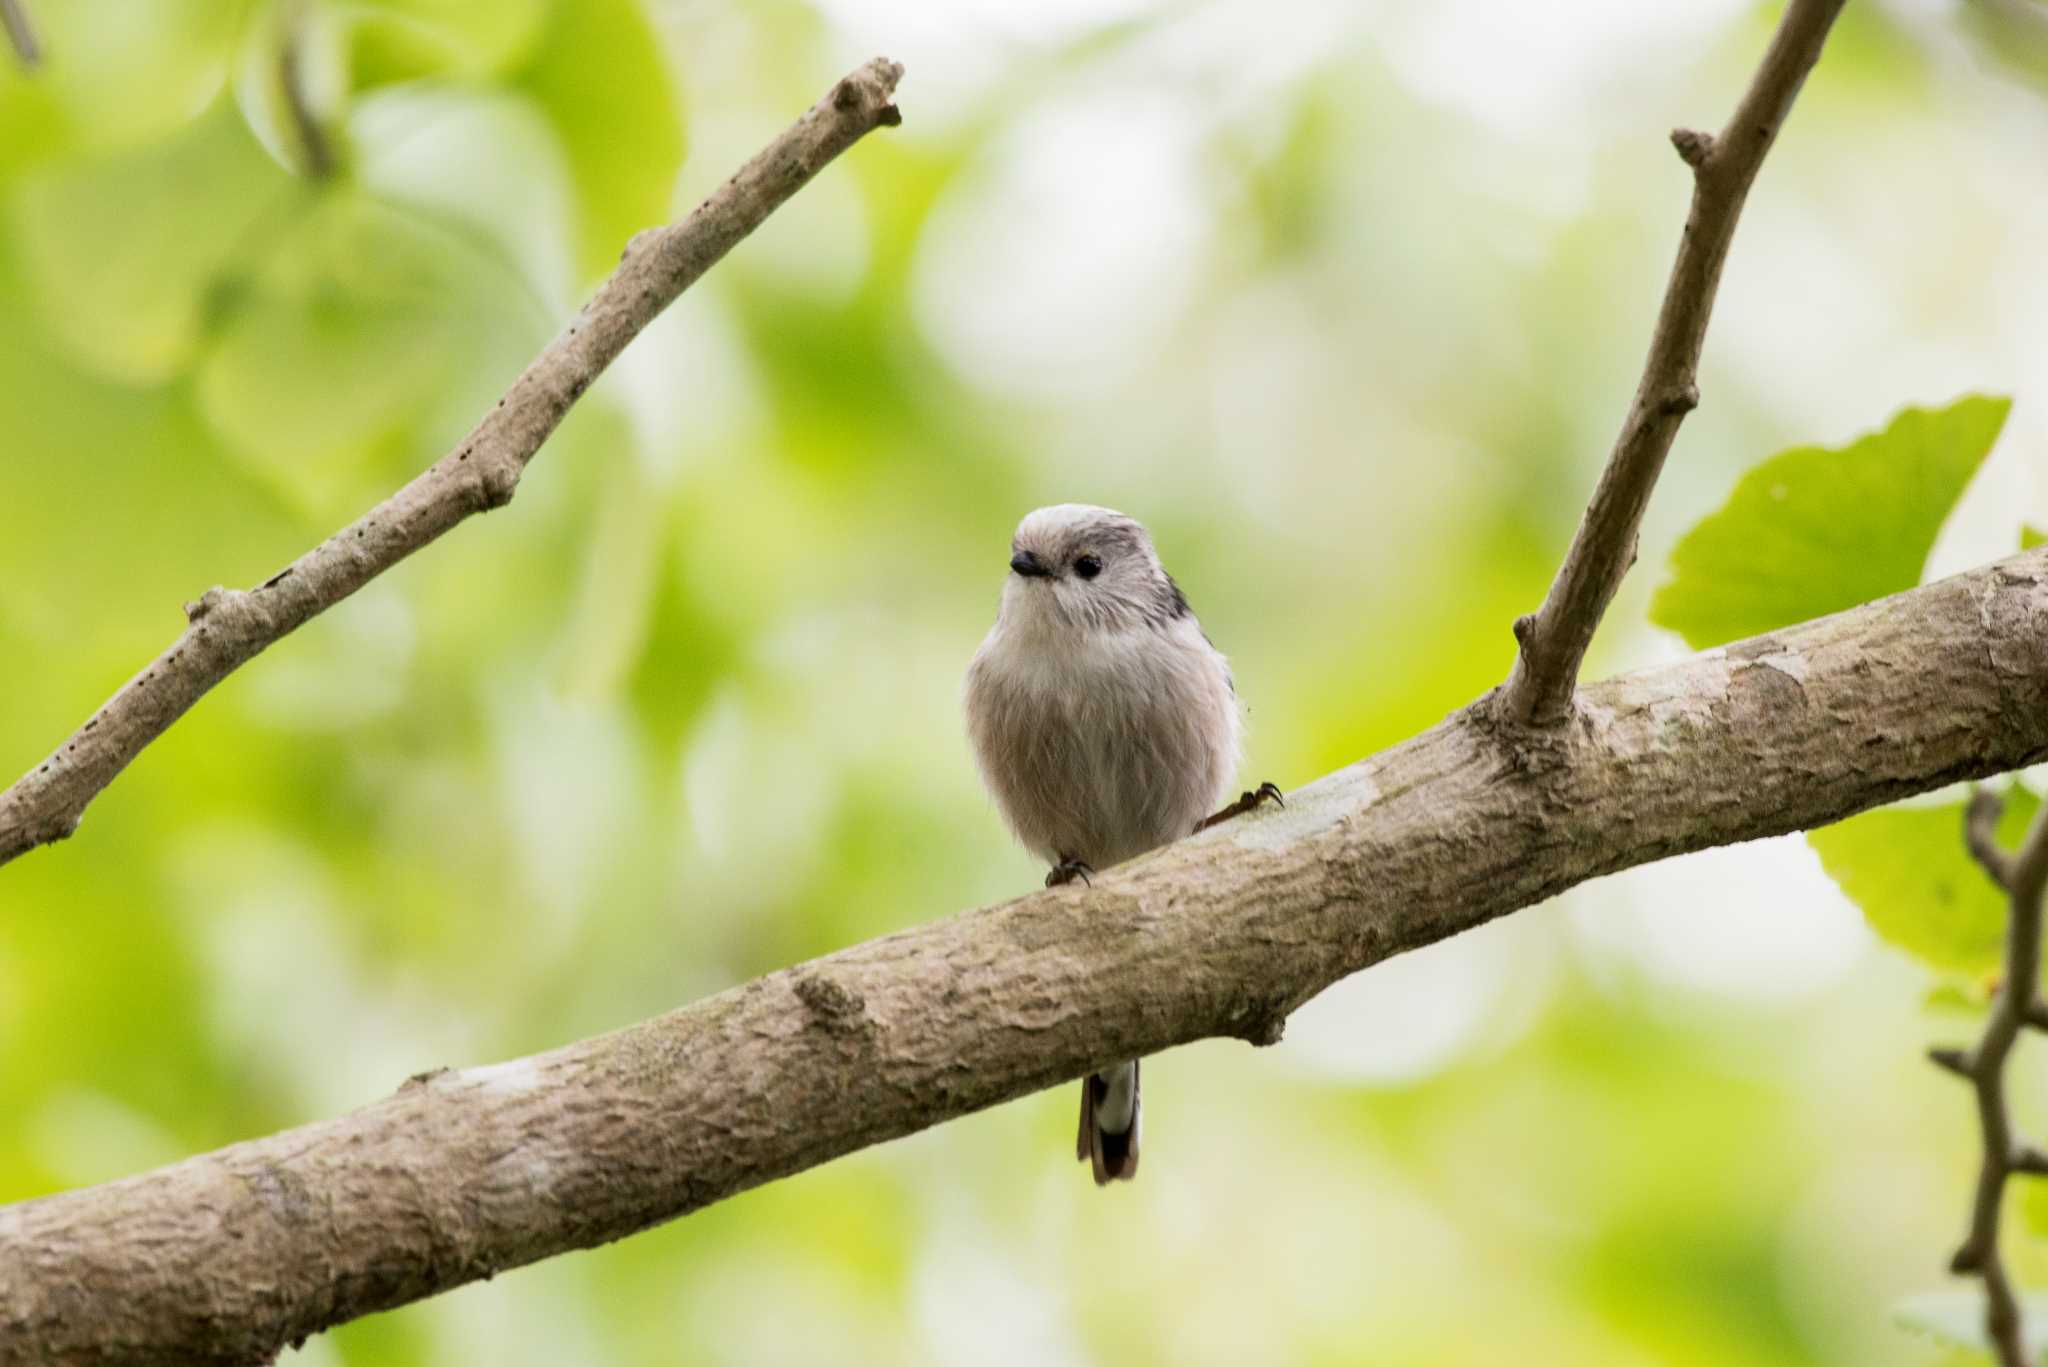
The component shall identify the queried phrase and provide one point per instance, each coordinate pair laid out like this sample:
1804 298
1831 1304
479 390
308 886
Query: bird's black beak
1029 565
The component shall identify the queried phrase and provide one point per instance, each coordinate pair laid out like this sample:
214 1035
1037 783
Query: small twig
1957 1061
291 77
479 474
1980 834
2018 1004
1554 638
20 33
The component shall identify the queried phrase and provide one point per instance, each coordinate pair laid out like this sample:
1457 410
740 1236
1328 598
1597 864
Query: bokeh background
1344 299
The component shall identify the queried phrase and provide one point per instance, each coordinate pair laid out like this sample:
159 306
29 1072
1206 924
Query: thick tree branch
229 626
2018 1004
1554 638
225 1257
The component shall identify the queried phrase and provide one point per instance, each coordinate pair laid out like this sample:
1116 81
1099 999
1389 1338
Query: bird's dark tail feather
1113 1152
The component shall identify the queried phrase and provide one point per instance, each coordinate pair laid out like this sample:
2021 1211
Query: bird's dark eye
1088 567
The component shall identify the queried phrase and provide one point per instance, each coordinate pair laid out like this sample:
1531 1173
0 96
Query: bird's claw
1247 802
1066 871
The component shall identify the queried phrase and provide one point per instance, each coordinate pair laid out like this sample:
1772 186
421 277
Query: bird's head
1077 566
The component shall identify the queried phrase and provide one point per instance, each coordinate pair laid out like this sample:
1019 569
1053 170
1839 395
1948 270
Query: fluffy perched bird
1105 724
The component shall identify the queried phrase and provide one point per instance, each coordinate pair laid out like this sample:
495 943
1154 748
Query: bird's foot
1066 871
1248 802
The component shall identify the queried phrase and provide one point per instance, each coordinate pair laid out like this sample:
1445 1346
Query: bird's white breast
1101 744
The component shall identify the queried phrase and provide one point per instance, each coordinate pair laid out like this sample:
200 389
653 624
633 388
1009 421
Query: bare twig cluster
2018 1005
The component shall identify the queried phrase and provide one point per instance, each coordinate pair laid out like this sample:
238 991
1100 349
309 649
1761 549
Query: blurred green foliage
1348 330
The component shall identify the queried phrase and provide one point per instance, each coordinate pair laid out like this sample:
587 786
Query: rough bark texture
1554 638
225 1257
229 626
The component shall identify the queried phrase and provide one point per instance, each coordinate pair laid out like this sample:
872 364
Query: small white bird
1105 725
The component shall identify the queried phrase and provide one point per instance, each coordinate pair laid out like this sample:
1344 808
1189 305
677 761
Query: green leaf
339 353
1909 871
1814 530
2033 1207
391 41
118 76
129 304
1957 1316
1953 996
2031 536
598 74
481 165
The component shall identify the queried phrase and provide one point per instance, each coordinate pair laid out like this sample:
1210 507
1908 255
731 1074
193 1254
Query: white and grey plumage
1105 725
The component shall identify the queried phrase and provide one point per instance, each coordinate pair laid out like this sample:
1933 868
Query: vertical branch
1554 638
2018 1004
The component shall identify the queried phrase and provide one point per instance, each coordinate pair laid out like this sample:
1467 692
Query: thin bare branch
21 34
314 143
1980 835
463 1173
2017 1005
1957 1061
1554 638
227 627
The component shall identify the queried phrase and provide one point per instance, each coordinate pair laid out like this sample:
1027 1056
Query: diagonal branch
1554 638
2018 1004
1980 835
317 149
229 626
21 34
227 1256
